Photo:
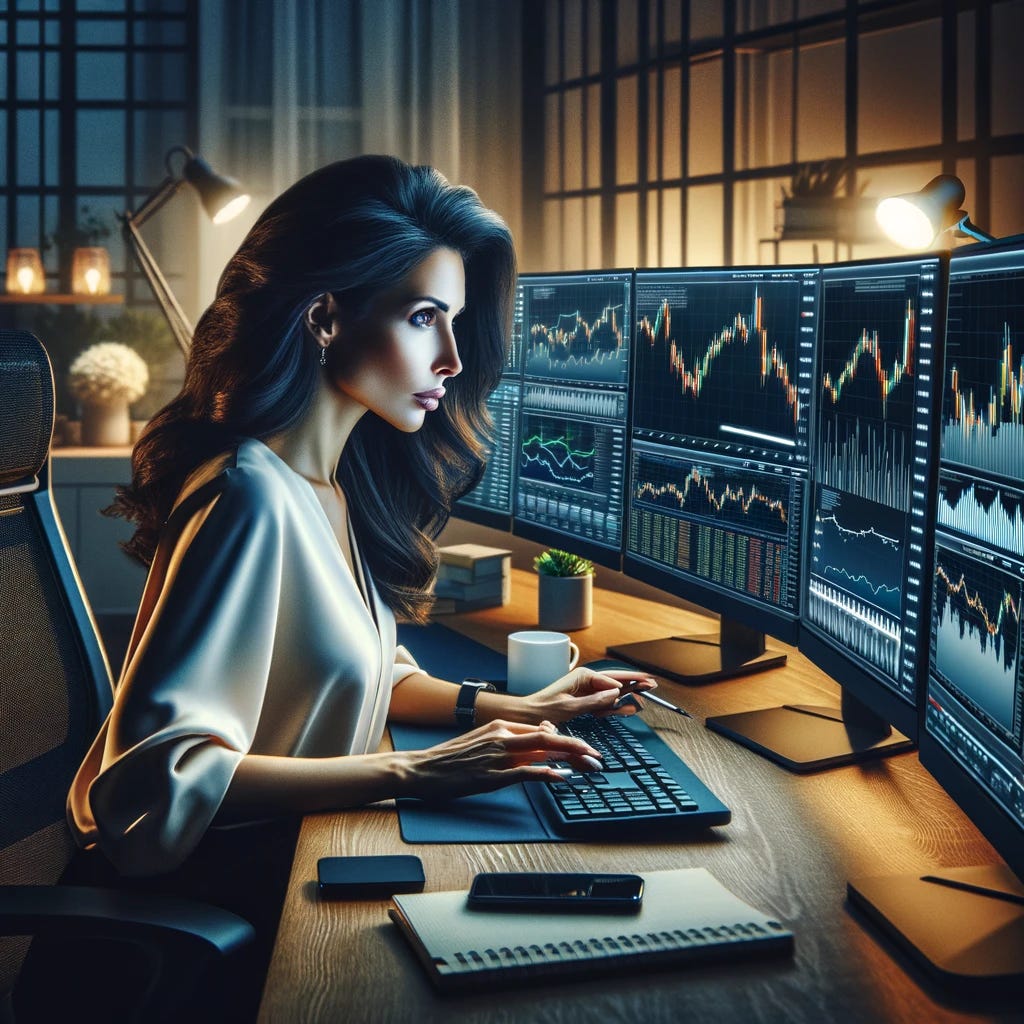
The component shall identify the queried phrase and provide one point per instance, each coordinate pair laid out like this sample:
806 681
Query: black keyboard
644 787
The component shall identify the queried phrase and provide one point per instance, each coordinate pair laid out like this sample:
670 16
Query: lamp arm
181 326
964 227
156 199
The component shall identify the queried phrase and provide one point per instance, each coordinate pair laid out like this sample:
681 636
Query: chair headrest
26 407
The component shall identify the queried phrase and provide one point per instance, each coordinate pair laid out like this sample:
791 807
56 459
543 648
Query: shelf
59 299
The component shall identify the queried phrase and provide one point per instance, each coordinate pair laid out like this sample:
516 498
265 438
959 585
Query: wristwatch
465 704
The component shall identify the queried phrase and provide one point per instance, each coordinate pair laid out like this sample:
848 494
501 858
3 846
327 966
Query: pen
647 695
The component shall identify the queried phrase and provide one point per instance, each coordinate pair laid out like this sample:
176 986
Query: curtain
289 85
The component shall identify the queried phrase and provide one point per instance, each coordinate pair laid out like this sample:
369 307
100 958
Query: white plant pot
565 602
106 424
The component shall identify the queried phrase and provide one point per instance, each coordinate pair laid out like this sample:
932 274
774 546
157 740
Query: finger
547 743
632 681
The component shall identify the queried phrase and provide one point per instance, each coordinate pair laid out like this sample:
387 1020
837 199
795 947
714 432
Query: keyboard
645 788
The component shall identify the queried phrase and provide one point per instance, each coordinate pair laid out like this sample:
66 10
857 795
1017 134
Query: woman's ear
322 319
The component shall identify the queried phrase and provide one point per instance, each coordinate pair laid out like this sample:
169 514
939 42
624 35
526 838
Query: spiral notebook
687 915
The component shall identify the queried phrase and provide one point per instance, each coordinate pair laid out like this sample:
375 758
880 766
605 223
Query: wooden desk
792 844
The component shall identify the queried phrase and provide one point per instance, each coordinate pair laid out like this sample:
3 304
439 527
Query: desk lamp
914 220
222 198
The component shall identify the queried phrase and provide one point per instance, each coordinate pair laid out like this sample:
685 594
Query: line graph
976 626
578 331
719 359
558 452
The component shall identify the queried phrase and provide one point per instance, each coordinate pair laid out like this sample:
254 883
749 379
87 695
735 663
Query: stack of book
472 576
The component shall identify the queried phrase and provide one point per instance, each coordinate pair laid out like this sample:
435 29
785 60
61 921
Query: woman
288 499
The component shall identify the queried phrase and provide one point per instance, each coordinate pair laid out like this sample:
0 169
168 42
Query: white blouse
252 636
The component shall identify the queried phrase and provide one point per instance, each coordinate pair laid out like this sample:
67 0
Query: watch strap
465 703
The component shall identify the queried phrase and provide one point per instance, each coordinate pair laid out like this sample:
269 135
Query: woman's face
395 357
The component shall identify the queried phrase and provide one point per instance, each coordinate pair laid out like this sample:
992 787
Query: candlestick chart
577 332
976 632
866 390
720 360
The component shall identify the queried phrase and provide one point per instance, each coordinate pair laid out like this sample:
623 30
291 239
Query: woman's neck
314 445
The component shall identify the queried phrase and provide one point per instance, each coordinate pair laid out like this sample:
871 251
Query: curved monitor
972 737
570 453
719 458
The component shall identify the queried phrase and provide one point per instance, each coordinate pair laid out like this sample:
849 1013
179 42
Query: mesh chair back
55 686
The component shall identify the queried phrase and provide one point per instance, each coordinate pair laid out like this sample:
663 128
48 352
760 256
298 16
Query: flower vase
106 424
565 602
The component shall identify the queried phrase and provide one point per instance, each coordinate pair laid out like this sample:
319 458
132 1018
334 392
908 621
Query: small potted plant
106 378
565 590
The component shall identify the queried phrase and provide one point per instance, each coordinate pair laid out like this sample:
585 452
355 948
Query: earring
323 355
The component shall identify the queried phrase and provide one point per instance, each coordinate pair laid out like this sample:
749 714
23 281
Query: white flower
108 371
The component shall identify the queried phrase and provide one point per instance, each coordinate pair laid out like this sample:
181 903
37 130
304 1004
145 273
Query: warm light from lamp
222 197
90 271
25 272
231 210
914 220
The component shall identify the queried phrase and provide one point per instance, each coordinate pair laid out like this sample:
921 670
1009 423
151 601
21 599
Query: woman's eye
424 318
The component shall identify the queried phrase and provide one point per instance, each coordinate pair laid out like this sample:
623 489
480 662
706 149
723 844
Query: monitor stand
964 926
735 650
806 738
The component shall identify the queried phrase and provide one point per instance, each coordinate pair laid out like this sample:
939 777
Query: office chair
55 690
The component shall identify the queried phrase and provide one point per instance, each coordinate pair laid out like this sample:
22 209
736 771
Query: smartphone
356 878
557 891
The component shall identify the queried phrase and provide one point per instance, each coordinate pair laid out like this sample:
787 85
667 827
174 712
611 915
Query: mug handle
575 655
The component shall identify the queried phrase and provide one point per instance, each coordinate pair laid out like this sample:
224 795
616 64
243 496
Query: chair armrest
145 918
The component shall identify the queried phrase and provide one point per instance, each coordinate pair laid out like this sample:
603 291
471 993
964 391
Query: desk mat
504 816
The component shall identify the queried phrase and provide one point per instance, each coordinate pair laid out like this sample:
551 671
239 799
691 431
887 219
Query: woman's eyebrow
433 300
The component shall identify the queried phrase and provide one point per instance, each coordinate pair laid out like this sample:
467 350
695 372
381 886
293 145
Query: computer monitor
490 502
968 924
865 578
719 458
571 450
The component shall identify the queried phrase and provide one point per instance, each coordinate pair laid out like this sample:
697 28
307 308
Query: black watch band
465 703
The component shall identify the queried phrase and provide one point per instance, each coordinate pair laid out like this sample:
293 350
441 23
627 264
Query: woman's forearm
266 786
421 699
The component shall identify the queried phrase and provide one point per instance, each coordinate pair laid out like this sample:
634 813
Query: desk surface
792 844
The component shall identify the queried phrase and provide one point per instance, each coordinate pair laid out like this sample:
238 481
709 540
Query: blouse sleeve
189 701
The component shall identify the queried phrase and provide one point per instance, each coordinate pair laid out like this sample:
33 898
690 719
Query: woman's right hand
494 755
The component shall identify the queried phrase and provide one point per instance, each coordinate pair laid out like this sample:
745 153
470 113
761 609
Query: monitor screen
720 448
576 333
490 502
965 925
866 576
974 714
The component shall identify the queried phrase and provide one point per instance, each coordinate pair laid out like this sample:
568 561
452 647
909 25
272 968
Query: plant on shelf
106 378
565 590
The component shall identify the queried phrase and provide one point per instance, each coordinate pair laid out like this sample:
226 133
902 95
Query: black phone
556 891
355 878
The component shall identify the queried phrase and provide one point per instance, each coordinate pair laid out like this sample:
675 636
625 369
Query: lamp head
222 197
914 220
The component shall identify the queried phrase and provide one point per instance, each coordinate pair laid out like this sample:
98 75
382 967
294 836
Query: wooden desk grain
792 844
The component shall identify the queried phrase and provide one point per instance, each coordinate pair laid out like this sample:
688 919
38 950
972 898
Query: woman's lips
430 399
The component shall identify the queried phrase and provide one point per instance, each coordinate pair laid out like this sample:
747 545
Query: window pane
552 145
572 228
1007 33
27 152
572 138
51 159
27 227
593 229
3 76
160 32
626 230
552 235
626 30
764 105
965 73
593 136
704 242
551 34
100 33
101 6
705 118
755 214
155 133
573 39
705 21
898 110
754 14
101 76
51 76
28 75
1007 216
3 162
821 115
26 32
626 131
161 76
100 165
672 227
671 125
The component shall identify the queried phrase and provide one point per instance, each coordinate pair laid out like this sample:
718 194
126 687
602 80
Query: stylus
647 695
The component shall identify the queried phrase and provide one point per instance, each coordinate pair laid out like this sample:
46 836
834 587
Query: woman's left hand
584 690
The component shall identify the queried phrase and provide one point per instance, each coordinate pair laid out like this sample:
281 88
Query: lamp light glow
915 220
25 272
90 271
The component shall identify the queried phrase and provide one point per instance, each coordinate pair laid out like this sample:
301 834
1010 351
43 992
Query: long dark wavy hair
353 228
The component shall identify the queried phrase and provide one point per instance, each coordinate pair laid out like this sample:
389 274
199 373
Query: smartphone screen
557 891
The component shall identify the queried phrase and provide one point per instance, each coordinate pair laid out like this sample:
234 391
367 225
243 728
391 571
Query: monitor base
964 926
803 738
735 650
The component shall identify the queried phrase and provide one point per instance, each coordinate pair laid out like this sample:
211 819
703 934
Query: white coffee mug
537 657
